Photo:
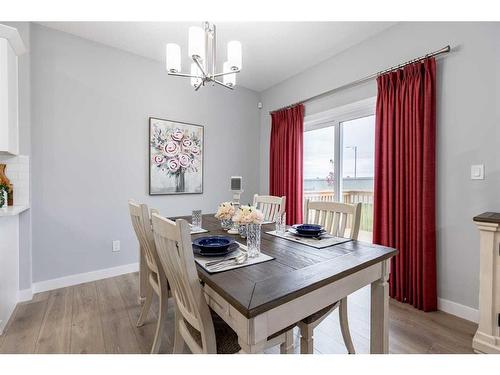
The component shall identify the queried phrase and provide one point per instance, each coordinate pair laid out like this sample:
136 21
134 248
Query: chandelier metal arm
200 66
224 73
222 84
203 78
183 75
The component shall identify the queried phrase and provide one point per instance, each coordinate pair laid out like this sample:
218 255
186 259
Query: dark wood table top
296 270
488 217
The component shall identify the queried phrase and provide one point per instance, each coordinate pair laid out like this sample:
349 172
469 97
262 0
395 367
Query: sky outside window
319 149
359 133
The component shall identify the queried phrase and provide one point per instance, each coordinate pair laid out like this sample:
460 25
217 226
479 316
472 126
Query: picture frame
176 157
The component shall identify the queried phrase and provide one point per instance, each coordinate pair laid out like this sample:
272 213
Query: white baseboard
462 311
24 295
43 286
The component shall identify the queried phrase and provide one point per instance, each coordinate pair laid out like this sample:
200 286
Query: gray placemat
201 260
325 241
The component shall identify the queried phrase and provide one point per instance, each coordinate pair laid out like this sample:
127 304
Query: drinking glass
281 224
253 240
196 219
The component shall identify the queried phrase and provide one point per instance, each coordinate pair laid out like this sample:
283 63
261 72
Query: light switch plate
116 246
477 172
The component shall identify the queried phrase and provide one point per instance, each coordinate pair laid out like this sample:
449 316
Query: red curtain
404 205
286 159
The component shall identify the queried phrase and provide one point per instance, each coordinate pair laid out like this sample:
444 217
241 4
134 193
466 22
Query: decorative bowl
308 229
216 253
213 243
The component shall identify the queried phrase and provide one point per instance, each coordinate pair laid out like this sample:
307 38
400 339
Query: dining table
259 300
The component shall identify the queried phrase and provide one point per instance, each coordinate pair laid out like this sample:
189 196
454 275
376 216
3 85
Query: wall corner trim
24 295
462 311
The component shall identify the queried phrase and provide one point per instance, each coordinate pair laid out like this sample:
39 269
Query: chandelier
202 50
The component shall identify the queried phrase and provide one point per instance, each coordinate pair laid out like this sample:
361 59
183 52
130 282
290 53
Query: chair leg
160 325
178 340
146 306
306 338
287 346
344 326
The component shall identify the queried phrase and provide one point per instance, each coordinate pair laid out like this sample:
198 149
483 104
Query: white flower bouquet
248 215
225 211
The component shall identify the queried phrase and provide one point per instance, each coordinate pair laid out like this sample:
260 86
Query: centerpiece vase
235 228
180 182
226 224
242 230
253 239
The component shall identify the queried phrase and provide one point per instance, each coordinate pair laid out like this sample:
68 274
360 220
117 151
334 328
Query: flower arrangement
175 151
225 211
4 192
248 215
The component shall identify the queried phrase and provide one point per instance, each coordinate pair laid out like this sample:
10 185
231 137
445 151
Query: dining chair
271 207
336 218
196 325
156 279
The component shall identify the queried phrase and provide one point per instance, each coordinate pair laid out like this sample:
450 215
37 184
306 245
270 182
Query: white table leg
287 346
143 274
252 348
379 316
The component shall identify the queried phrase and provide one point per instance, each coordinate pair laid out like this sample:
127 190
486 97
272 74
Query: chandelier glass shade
202 46
173 58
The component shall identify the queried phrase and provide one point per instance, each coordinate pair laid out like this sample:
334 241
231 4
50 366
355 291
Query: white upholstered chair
156 279
272 207
336 218
196 325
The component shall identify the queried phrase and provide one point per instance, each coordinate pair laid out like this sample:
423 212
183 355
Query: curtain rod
367 78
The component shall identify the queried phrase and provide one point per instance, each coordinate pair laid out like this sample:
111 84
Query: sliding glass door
319 155
358 151
339 158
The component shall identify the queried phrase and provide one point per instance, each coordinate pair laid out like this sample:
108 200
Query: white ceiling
272 51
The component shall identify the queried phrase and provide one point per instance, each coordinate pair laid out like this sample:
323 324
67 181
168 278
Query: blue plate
234 246
213 243
294 231
308 229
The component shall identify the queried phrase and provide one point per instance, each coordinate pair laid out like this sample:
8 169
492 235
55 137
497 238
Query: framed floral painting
175 157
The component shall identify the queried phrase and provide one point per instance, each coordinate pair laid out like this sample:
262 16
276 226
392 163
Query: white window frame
336 117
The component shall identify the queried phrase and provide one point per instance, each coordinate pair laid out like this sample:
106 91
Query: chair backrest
335 217
141 222
271 206
173 241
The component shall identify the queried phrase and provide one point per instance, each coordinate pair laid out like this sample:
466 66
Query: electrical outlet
477 172
116 245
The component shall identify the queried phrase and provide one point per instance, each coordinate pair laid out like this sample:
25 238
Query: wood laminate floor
100 316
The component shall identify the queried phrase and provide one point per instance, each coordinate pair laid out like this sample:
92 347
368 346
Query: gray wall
24 149
90 109
468 122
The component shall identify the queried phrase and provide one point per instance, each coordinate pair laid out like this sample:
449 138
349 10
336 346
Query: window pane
318 163
358 140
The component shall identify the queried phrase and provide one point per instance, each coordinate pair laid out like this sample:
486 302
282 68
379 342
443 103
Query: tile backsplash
18 172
